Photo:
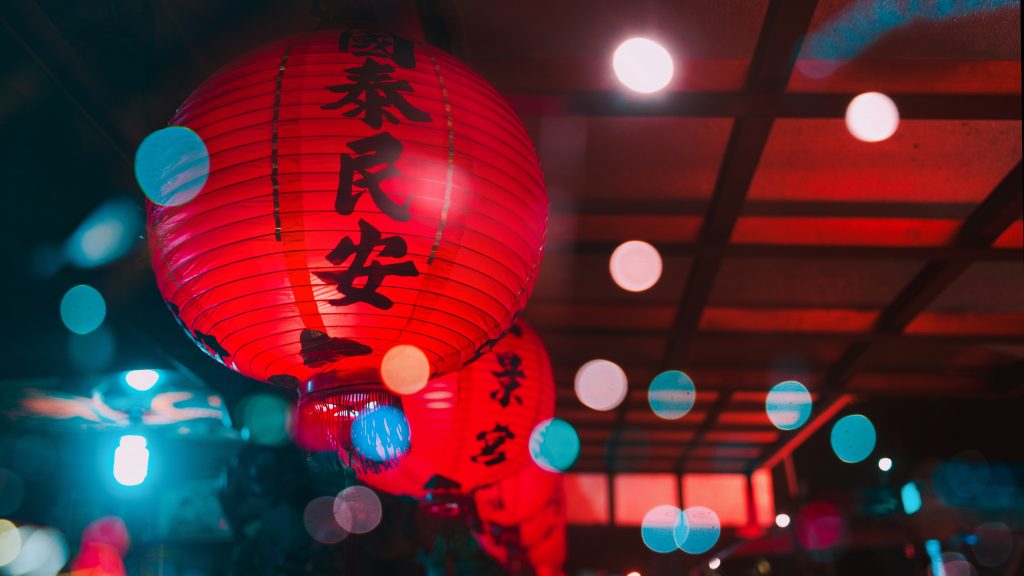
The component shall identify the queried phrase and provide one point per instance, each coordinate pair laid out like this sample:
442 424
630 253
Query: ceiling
869 272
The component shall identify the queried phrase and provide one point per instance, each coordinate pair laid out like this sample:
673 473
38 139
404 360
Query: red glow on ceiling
833 320
726 494
636 494
980 323
794 230
764 497
1012 237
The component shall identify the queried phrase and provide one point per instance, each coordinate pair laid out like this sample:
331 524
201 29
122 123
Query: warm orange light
405 369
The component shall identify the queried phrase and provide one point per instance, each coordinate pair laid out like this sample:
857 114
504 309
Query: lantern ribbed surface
472 428
364 191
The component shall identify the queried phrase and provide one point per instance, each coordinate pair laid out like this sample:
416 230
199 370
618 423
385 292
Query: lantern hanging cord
273 142
451 161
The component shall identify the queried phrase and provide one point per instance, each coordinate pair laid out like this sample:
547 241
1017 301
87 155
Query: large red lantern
363 191
472 428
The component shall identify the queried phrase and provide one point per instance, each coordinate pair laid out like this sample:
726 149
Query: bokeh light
404 369
698 530
131 460
554 445
10 542
43 552
634 573
12 491
885 464
910 496
788 405
963 478
952 564
642 65
92 352
782 520
658 526
357 509
872 117
172 165
635 265
714 563
107 234
601 384
994 544
853 438
109 530
819 526
381 433
265 419
141 380
97 559
671 394
320 523
82 309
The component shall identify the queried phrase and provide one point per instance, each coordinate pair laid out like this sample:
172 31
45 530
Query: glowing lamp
131 460
642 65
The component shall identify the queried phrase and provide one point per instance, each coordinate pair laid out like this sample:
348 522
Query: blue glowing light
554 445
131 460
910 495
82 309
172 165
934 550
788 405
698 530
853 438
107 234
671 394
141 380
656 529
381 433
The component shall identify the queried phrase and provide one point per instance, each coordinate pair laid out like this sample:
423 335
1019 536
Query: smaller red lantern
472 428
468 429
516 499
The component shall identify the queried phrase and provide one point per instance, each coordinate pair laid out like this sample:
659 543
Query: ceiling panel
532 43
926 161
911 47
867 284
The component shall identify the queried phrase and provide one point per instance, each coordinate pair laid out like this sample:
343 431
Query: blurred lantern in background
538 541
515 499
471 429
362 192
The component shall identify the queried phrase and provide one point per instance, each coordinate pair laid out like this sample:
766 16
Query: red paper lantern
472 428
363 191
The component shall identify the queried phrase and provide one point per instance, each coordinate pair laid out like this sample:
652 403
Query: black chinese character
378 150
372 92
378 44
508 379
319 348
374 272
492 440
